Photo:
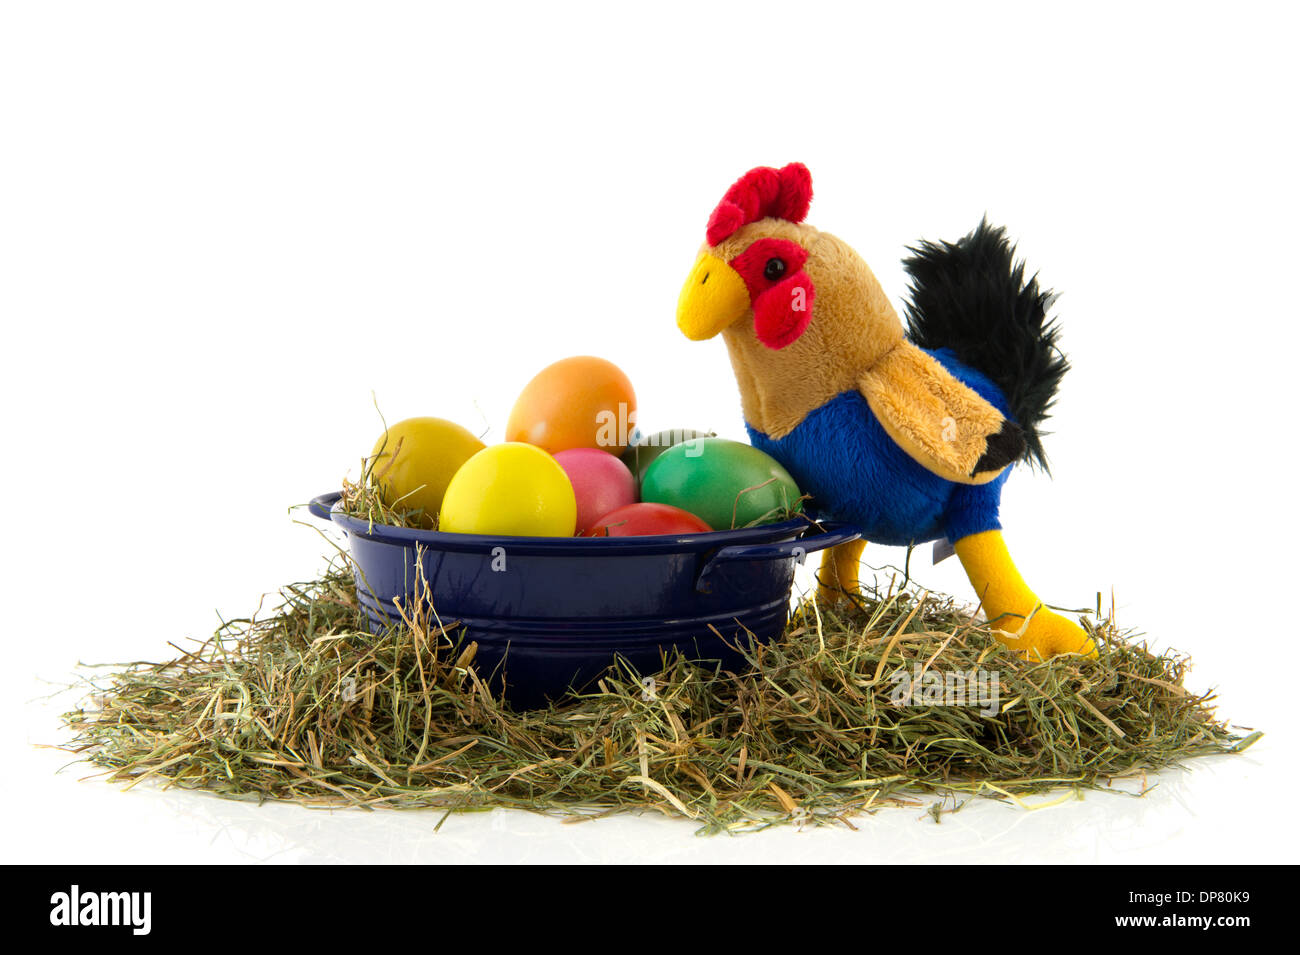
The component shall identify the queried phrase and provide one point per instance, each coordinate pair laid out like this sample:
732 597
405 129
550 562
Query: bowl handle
831 535
320 505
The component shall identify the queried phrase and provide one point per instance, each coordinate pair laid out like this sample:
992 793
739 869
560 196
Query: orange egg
580 402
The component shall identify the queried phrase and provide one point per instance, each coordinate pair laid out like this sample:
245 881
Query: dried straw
306 705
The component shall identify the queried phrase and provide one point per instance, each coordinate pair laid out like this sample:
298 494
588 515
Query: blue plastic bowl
550 614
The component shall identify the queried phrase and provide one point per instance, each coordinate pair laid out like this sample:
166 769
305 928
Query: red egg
639 520
601 483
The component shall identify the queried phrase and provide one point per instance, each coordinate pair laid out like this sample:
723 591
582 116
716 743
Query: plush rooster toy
907 433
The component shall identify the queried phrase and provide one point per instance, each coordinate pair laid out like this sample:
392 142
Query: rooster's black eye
774 269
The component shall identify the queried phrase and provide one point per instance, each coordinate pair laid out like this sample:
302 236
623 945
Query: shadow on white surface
65 813
1193 815
1098 828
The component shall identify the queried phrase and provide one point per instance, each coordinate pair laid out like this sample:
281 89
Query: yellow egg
510 489
429 451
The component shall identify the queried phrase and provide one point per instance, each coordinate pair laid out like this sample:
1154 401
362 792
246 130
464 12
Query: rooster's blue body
842 456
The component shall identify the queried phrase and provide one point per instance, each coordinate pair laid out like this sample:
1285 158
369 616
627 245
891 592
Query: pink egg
601 483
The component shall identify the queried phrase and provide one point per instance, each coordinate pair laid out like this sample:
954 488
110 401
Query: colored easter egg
643 451
512 489
601 482
580 402
637 520
414 460
727 483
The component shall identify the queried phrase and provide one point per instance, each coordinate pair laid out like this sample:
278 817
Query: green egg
727 483
645 450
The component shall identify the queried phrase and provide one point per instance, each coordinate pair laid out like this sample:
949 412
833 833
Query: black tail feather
972 297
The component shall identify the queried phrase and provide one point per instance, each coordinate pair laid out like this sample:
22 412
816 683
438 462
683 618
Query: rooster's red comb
779 193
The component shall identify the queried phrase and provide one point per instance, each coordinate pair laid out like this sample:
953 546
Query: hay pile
306 705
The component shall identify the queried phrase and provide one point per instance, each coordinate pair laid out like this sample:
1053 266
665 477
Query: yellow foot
1046 634
838 574
1008 601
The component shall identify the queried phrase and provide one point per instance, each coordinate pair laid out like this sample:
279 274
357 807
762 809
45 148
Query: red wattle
782 313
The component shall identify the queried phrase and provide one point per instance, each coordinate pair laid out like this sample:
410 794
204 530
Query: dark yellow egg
414 461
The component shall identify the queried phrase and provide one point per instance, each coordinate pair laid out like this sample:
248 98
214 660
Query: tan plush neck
853 327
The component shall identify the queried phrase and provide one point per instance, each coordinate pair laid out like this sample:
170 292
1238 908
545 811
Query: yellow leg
838 575
1008 601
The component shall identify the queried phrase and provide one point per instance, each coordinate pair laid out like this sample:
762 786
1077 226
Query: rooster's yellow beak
713 297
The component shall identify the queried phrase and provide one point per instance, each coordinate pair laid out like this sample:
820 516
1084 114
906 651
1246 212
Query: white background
224 226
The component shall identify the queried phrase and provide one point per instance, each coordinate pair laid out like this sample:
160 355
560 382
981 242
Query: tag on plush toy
943 549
